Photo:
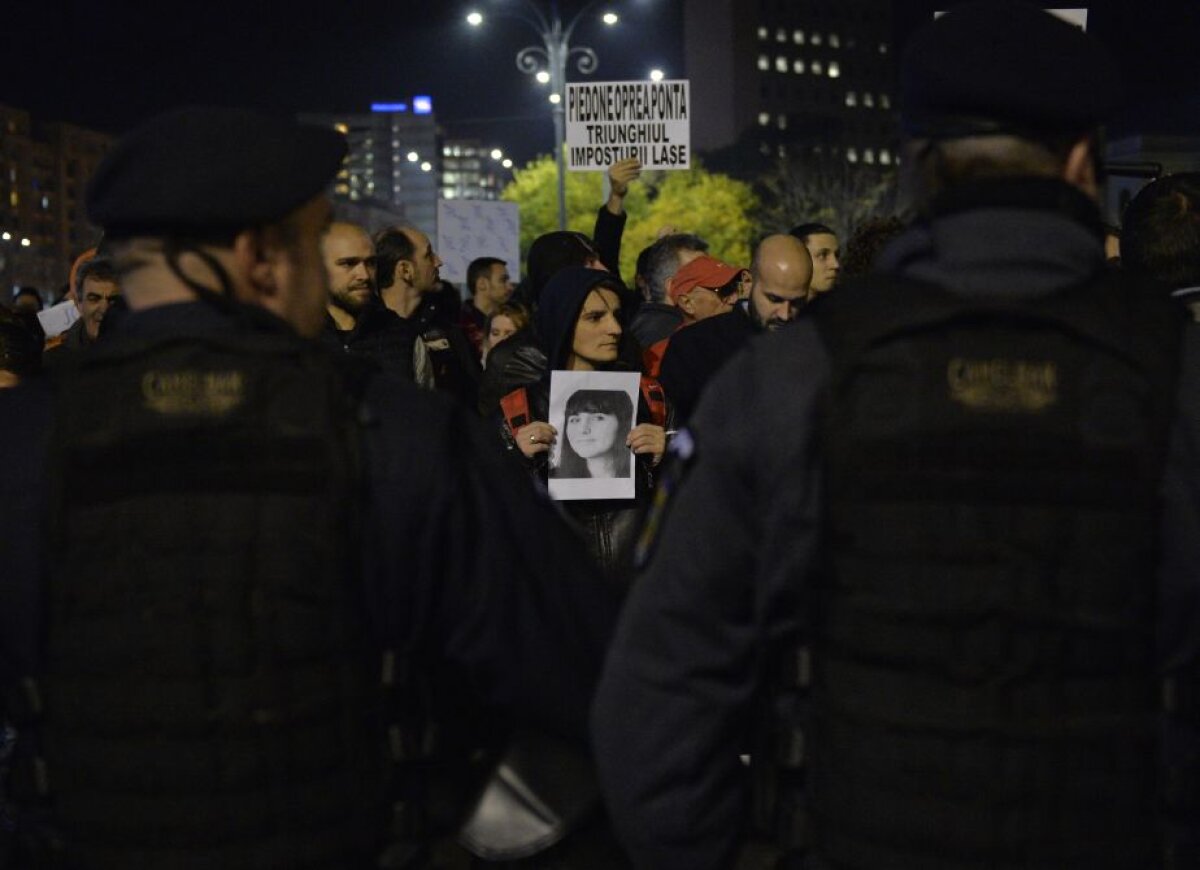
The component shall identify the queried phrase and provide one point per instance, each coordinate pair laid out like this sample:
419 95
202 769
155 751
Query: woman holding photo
580 329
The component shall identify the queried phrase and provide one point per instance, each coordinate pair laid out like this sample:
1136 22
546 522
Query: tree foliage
716 207
831 192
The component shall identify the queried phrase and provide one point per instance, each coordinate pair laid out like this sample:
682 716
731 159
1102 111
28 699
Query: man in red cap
703 288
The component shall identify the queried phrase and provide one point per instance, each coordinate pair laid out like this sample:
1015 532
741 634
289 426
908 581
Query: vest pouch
541 790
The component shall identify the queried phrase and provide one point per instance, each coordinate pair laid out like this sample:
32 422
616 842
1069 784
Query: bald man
358 321
781 275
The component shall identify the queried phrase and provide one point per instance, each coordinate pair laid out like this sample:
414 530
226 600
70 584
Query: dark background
109 65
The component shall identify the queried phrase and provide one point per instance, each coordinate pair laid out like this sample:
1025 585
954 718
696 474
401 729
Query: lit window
782 150
764 62
885 101
868 155
798 37
852 155
885 157
764 119
851 99
45 203
781 35
883 48
781 64
835 69
816 39
834 42
781 122
868 100
395 143
816 68
762 33
798 67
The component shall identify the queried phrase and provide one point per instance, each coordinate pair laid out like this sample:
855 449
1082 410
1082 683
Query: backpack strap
515 407
656 400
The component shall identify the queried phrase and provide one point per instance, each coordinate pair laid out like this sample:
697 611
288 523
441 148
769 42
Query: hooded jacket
610 527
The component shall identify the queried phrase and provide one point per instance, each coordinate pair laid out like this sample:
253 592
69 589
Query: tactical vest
977 686
209 696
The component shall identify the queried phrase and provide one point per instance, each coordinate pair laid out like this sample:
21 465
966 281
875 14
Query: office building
44 171
394 161
798 77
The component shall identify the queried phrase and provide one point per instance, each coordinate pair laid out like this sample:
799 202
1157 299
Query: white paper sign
1078 17
611 121
593 413
469 228
57 319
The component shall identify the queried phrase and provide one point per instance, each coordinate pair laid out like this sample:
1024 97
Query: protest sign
612 121
475 228
594 413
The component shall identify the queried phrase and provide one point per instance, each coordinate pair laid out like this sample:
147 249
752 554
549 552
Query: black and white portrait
593 413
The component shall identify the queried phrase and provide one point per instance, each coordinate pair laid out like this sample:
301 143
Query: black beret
210 170
1001 66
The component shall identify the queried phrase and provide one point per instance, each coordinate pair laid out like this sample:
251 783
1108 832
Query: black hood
562 298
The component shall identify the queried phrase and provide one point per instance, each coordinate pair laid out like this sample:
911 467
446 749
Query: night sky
108 65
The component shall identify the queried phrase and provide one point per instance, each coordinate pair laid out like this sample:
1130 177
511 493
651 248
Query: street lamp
548 64
656 75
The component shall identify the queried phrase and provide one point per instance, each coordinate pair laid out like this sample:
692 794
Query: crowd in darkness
908 578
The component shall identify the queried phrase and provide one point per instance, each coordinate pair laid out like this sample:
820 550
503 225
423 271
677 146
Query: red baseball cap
704 271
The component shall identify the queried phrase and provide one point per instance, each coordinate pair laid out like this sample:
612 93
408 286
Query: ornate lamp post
548 62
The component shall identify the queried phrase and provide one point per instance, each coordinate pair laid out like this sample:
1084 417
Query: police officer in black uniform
246 583
908 563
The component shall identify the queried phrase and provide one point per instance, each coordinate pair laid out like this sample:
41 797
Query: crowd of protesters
909 576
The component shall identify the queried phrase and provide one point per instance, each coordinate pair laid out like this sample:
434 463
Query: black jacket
610 527
474 578
380 335
740 539
697 352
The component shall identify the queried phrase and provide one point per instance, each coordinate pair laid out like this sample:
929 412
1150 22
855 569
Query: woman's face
598 330
502 328
591 433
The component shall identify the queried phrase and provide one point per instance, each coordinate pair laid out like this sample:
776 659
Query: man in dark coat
926 609
246 580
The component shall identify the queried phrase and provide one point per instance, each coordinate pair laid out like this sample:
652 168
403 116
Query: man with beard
781 273
358 321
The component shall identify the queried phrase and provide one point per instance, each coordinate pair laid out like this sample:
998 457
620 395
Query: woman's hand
648 438
534 438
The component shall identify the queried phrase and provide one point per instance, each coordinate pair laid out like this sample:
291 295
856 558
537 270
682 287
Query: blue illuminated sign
422 105
389 107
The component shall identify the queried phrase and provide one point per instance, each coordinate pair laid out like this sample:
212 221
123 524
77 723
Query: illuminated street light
507 164
497 154
413 157
548 62
656 75
474 19
426 166
6 236
25 243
